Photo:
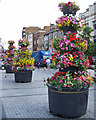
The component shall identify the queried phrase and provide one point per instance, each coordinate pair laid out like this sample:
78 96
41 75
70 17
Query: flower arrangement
9 54
63 80
23 60
66 21
69 56
69 51
70 5
11 42
69 42
23 42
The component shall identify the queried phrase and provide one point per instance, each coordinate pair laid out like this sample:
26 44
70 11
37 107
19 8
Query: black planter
67 103
9 70
11 43
68 28
67 11
23 76
70 68
24 45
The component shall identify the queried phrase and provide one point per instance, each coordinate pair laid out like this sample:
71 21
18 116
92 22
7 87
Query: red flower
44 81
74 56
69 2
74 53
48 79
74 75
66 4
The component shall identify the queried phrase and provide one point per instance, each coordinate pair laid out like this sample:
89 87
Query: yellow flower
83 45
84 27
68 22
74 4
71 58
14 63
54 63
8 53
59 25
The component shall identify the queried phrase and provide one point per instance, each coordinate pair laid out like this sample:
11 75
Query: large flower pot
67 103
9 70
23 76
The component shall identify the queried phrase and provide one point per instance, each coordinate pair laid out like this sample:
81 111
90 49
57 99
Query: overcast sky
16 14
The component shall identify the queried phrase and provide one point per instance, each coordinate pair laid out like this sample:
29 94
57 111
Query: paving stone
30 100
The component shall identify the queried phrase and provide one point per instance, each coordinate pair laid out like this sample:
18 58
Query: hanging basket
23 76
24 45
11 43
69 28
67 103
66 10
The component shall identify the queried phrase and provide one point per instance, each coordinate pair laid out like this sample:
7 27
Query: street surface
30 100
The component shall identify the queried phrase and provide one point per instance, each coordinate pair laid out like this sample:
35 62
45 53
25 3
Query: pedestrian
48 63
44 64
38 64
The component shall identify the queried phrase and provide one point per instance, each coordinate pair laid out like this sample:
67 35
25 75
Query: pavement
30 100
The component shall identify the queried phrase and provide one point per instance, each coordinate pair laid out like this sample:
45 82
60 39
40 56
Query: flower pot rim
66 90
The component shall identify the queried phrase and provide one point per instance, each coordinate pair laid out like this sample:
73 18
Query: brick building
32 34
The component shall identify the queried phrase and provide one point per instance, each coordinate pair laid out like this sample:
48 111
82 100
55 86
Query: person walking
44 64
38 64
48 63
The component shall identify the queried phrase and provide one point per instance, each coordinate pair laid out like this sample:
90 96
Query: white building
89 18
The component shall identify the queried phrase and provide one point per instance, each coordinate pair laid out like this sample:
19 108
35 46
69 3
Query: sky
16 14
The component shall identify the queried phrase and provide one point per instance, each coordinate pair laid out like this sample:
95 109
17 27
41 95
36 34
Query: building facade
49 36
38 40
32 34
89 18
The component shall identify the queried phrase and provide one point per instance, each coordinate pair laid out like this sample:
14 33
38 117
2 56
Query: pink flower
62 48
84 78
68 32
60 81
65 86
67 42
69 85
66 48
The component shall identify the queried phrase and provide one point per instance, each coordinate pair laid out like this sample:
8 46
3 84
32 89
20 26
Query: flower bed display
9 57
23 63
68 88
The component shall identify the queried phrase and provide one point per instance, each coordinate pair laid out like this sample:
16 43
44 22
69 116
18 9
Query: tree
91 48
